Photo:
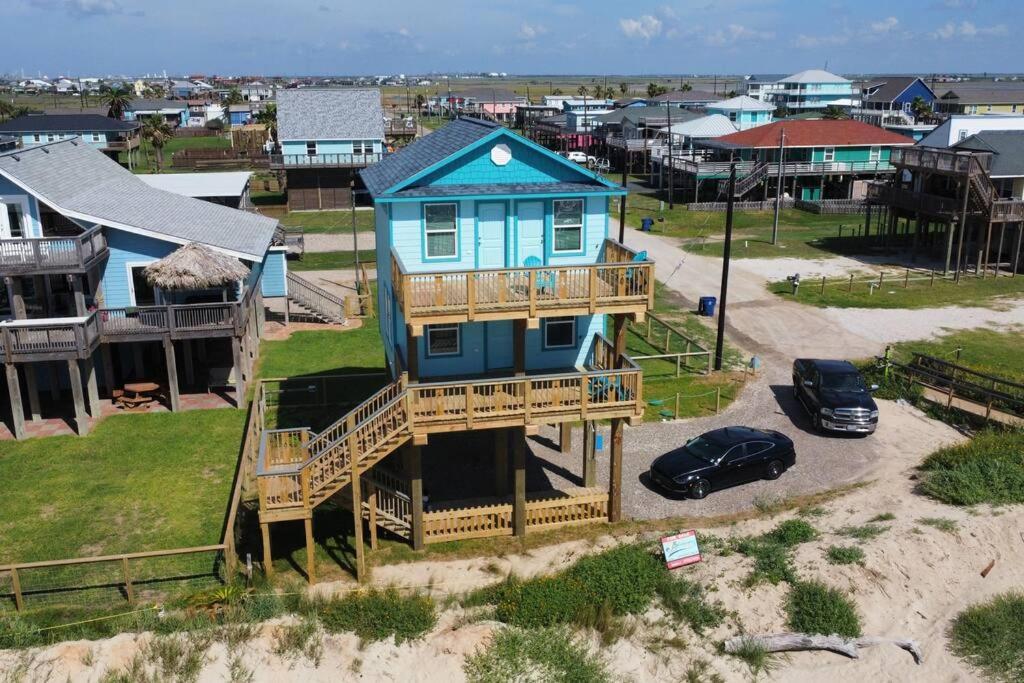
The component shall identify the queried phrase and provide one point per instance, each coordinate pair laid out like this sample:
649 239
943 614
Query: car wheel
774 470
700 488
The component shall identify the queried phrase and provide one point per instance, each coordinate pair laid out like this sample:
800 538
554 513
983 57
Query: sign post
681 549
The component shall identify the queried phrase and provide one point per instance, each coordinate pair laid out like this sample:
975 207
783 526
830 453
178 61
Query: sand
915 580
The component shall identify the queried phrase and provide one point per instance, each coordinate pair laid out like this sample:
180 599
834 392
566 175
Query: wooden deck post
268 563
236 356
17 409
371 499
519 481
414 470
92 390
32 387
501 462
357 518
190 371
108 368
172 374
519 347
15 297
412 355
76 287
75 377
311 549
565 437
615 472
589 454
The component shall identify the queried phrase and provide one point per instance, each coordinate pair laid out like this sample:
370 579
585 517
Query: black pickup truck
835 396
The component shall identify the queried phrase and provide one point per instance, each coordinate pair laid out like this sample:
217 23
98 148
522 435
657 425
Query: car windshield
849 381
708 451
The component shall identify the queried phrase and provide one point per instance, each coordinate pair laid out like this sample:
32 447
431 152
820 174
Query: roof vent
45 151
74 141
16 157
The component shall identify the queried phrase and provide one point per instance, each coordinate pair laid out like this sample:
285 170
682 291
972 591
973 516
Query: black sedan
722 458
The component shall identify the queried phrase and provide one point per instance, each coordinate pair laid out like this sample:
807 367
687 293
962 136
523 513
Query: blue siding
34 228
527 166
125 248
325 146
275 272
916 89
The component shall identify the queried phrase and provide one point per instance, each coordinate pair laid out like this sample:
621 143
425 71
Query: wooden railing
939 159
617 284
31 340
1000 210
52 254
184 320
720 169
323 160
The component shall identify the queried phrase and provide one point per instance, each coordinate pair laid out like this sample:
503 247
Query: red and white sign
681 549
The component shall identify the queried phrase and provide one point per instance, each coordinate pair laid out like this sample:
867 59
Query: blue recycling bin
706 306
646 223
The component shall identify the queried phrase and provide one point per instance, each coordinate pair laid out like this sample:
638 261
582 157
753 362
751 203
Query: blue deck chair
545 278
639 257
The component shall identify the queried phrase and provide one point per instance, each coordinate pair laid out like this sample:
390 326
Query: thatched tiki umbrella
195 266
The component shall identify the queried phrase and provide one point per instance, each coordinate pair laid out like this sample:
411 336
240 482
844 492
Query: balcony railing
620 283
1008 210
720 169
54 255
323 160
123 144
1003 210
945 160
50 338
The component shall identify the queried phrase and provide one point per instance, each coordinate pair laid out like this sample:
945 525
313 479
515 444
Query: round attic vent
501 155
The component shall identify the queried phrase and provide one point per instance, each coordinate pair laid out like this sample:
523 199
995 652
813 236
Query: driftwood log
791 642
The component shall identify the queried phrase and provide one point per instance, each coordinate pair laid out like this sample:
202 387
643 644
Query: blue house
744 112
175 112
81 308
110 136
888 103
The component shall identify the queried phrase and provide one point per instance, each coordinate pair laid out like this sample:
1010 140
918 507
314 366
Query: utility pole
355 238
778 188
622 204
720 341
671 171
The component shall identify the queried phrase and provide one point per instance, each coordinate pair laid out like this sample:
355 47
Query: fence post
686 358
650 319
822 284
718 400
668 338
19 603
677 365
708 371
949 400
129 591
880 277
849 288
906 279
931 282
677 406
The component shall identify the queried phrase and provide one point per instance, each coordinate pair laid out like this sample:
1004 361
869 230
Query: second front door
490 235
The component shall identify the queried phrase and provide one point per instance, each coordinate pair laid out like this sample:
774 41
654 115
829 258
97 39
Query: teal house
744 112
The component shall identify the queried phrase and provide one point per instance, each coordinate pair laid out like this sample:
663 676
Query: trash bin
706 306
646 223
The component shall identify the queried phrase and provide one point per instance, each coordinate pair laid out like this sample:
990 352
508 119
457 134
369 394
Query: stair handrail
753 178
309 295
985 187
325 435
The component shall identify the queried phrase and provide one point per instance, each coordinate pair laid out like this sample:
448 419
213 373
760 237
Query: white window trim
875 153
5 227
427 231
571 320
556 228
129 266
316 148
828 154
430 329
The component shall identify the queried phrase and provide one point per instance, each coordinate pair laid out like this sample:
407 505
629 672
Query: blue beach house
744 112
110 136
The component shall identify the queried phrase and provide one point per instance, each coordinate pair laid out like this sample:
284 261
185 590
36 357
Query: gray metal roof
1007 147
505 189
889 88
77 179
66 123
986 92
330 114
424 152
156 105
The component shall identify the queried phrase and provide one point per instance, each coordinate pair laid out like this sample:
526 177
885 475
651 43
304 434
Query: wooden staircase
750 181
315 302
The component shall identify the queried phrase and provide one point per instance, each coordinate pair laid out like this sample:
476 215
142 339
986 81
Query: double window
568 225
440 223
560 333
362 146
875 154
311 148
443 340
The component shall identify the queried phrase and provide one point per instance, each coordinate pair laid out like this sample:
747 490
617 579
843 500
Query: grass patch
990 636
971 291
813 607
884 517
792 533
755 656
987 469
327 222
816 237
848 554
686 601
377 615
940 523
987 351
324 352
535 655
772 552
864 532
332 260
145 156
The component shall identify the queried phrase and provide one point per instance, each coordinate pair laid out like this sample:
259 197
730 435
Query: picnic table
137 395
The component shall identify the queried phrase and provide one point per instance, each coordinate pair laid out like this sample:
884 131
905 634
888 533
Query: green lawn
331 260
987 351
795 241
327 221
137 482
148 165
324 352
971 291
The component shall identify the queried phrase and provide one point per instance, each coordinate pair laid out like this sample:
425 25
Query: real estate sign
681 549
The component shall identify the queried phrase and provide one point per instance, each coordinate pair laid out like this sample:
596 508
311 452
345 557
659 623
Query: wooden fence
691 347
901 279
768 205
832 206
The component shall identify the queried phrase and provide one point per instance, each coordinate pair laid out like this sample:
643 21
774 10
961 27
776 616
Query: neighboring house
890 99
687 133
528 114
497 104
688 99
982 97
497 283
959 127
110 136
325 136
227 188
1006 165
76 234
582 104
811 90
239 114
743 111
586 119
175 112
762 86
822 159
7 142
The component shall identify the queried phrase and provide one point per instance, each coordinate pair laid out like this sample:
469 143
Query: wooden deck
937 160
279 161
617 284
53 255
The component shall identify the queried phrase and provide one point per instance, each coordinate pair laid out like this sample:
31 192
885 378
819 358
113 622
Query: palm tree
920 109
6 110
268 117
834 113
624 88
583 91
685 87
653 89
155 91
117 101
157 131
234 96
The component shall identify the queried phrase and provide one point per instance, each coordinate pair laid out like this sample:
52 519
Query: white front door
490 235
530 219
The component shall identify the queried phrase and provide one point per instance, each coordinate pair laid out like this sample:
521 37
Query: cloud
645 27
806 41
967 30
86 8
886 25
404 32
734 33
531 31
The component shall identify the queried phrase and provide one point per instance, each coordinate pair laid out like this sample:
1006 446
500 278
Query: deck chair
545 278
639 257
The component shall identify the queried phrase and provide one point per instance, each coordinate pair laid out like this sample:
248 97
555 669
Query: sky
379 37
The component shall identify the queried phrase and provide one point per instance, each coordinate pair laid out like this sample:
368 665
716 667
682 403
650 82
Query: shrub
990 637
535 655
757 658
685 599
865 532
376 615
791 533
987 469
838 554
940 523
884 517
772 551
813 607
